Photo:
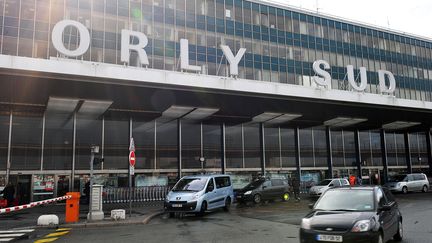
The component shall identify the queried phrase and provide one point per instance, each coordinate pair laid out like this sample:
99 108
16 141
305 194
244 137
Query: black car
353 214
264 189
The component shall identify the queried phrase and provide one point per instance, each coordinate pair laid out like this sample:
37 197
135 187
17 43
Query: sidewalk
141 213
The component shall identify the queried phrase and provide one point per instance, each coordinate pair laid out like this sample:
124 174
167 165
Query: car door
266 189
411 184
384 217
278 188
211 194
394 212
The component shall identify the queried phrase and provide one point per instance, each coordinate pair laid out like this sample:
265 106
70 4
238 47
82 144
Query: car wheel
398 236
425 188
227 204
404 190
285 197
257 198
203 208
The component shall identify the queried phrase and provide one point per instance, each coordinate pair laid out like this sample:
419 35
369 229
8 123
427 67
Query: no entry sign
132 158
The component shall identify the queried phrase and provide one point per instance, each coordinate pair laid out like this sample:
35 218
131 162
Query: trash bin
72 207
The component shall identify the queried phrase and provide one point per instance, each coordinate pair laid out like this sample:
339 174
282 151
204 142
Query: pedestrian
352 180
9 194
296 187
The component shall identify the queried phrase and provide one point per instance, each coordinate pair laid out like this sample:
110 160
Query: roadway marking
61 233
6 239
46 240
10 235
53 236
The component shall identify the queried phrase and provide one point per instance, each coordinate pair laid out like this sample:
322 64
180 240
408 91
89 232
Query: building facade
273 117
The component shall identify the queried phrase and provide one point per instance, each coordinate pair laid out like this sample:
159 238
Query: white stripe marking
17 231
11 235
6 239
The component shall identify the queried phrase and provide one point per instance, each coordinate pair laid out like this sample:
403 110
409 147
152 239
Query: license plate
329 238
177 205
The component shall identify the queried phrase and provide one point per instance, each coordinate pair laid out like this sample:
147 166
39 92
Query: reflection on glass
58 142
337 148
320 147
116 150
166 145
272 150
212 138
26 142
252 149
306 148
288 148
191 145
143 133
88 133
4 134
234 148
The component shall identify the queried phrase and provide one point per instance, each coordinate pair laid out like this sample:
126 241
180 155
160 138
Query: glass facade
281 43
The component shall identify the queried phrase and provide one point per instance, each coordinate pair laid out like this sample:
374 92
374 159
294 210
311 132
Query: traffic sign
132 145
132 158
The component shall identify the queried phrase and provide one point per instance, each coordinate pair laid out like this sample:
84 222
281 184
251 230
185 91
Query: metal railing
138 194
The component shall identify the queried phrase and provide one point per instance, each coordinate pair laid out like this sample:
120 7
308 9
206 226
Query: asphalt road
272 222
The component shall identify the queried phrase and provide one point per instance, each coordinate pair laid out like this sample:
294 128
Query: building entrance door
22 184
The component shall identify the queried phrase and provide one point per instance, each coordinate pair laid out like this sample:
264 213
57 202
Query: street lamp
202 161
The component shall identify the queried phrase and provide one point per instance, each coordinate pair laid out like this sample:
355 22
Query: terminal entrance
22 184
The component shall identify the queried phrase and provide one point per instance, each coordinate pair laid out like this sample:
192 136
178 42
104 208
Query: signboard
43 184
132 158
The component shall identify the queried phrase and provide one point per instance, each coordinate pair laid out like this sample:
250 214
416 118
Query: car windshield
324 182
190 184
397 178
346 200
254 184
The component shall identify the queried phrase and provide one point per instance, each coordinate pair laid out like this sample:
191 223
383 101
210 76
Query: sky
413 17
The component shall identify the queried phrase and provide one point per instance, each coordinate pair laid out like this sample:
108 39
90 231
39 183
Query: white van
320 188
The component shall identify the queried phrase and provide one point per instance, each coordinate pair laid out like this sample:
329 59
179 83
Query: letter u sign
57 36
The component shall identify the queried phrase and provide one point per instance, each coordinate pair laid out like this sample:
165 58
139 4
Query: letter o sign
57 36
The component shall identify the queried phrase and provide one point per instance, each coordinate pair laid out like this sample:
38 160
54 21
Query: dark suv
353 214
264 189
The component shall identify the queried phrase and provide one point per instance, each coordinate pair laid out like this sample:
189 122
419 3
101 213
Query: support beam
179 146
262 148
408 152
297 151
357 151
329 153
429 150
223 150
384 156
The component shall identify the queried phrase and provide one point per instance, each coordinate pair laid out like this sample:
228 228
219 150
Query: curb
146 220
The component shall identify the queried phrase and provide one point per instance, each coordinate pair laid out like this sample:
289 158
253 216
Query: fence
138 194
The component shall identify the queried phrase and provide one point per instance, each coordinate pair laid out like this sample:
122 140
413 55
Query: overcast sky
412 16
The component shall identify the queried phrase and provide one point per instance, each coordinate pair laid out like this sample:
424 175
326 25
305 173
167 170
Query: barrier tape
34 204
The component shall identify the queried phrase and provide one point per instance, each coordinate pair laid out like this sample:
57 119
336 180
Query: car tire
227 204
404 190
425 188
380 238
203 208
286 197
399 234
257 198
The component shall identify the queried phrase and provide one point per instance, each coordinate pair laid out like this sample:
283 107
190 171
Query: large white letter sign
57 38
325 79
233 60
184 57
382 85
363 78
139 48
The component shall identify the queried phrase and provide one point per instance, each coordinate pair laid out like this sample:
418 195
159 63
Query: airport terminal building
229 86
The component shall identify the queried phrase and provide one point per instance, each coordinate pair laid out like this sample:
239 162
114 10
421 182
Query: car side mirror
385 207
311 205
210 188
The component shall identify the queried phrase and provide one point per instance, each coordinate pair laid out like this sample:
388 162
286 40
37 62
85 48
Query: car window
380 198
222 182
267 184
344 182
418 177
388 195
210 184
336 183
277 182
410 177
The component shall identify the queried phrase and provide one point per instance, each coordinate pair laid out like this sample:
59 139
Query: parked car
411 182
264 189
353 214
200 193
323 186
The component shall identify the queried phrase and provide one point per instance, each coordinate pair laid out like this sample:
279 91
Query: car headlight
196 196
361 226
398 184
305 224
248 192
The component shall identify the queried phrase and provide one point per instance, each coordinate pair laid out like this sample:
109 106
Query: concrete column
357 151
297 151
329 153
179 145
408 152
223 149
384 155
262 147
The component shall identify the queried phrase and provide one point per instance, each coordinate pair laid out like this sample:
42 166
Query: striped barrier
34 204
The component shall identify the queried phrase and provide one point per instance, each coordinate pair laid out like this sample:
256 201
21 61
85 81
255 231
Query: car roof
362 187
204 176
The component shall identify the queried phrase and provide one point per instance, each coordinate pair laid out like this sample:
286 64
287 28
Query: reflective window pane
58 142
116 150
144 137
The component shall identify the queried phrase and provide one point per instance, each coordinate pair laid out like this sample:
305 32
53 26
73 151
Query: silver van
200 193
408 183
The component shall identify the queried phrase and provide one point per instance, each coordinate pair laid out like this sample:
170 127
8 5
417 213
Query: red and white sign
132 158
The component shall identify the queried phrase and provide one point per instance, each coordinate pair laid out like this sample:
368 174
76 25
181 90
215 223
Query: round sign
132 158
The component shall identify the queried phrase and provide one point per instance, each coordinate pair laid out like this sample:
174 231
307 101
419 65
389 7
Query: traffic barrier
138 194
33 204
